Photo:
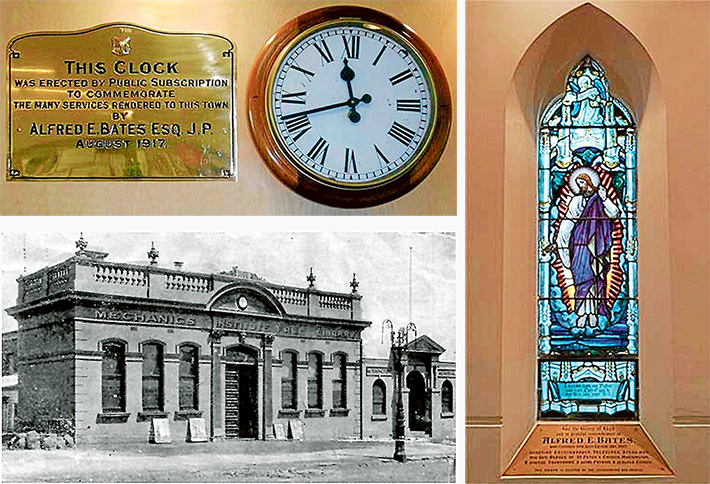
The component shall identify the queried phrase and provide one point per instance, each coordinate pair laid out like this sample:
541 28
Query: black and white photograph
229 357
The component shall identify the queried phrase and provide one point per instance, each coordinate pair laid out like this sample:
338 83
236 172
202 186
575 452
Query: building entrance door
419 419
240 394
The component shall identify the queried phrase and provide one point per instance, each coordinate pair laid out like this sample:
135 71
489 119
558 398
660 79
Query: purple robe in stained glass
589 266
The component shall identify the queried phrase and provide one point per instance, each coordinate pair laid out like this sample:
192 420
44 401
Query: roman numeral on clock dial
401 77
299 98
352 46
297 125
350 165
377 59
324 51
401 133
305 72
382 156
413 105
320 148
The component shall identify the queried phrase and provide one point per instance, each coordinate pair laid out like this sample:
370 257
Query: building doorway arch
419 405
241 404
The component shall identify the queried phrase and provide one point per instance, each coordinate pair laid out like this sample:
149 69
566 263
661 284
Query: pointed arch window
587 290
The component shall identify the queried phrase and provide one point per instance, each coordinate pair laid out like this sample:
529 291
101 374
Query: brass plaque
586 450
120 101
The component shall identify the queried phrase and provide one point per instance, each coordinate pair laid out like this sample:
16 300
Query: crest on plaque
121 44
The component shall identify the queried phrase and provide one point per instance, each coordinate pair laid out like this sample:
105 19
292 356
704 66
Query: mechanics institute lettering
304 330
145 317
121 102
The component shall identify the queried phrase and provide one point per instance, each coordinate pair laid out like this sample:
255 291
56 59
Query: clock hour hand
347 75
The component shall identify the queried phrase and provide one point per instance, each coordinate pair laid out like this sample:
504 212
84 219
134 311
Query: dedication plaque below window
120 101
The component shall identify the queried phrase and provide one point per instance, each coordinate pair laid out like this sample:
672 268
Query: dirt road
234 461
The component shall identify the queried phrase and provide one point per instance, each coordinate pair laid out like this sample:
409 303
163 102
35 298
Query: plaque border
664 477
230 175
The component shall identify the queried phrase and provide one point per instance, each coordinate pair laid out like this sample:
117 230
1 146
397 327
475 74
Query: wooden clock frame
276 157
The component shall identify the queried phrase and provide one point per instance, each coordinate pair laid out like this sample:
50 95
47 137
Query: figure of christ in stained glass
588 239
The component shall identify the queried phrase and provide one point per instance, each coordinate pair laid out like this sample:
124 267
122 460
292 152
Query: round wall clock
348 106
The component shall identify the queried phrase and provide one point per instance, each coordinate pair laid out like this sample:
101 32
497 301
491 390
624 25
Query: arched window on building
189 377
379 398
339 381
447 397
587 292
289 393
113 377
153 376
315 380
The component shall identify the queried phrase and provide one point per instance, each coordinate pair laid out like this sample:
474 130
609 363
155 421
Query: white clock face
242 303
352 105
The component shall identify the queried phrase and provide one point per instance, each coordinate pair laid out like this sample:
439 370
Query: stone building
9 380
427 395
104 348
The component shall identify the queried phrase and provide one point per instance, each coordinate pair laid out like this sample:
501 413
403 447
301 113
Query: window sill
315 413
339 412
112 417
148 415
447 415
289 413
187 414
378 418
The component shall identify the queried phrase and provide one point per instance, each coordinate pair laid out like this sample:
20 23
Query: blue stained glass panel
587 306
588 389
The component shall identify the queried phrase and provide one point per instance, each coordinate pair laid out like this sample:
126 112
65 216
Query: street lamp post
398 344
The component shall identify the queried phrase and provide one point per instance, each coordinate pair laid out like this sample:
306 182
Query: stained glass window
587 284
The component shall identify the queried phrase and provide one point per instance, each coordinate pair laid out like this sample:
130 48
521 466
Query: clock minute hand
317 110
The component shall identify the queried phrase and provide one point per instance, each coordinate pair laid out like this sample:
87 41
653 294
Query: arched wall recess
538 79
